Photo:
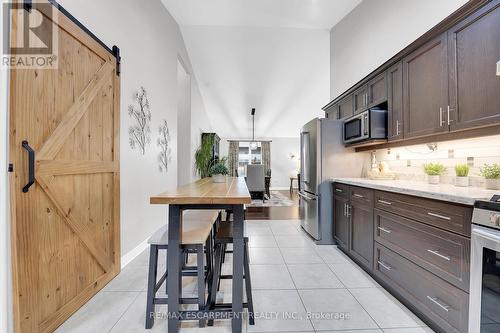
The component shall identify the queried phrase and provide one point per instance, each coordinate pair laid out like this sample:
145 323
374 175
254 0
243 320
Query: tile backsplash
407 162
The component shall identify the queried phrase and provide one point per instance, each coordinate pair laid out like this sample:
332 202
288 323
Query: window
248 156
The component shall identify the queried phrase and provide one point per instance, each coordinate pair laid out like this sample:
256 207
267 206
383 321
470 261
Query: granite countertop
445 192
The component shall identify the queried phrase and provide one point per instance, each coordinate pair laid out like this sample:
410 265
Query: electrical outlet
470 161
408 163
451 153
398 156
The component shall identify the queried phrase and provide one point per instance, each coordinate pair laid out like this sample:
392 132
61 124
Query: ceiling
272 55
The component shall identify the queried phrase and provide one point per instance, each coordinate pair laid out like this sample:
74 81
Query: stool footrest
228 306
164 300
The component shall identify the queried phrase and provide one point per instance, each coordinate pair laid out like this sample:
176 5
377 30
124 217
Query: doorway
184 158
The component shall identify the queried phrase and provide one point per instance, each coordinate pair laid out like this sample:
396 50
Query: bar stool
224 237
196 239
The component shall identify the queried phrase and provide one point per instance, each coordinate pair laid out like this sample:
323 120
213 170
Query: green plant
462 170
434 169
219 168
203 157
491 171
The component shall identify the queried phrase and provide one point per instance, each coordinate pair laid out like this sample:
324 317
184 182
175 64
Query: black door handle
31 166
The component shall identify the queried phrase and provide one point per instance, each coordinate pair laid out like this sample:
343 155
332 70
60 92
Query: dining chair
256 180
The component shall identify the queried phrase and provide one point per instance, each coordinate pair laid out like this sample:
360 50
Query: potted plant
433 171
219 171
492 175
462 173
203 157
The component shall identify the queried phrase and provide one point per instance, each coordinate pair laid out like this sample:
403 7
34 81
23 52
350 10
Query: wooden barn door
65 227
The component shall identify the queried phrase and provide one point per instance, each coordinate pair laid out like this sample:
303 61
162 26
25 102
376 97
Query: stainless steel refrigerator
322 157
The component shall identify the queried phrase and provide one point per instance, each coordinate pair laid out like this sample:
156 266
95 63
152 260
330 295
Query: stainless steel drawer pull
436 253
439 216
383 264
387 231
385 202
442 306
339 190
358 195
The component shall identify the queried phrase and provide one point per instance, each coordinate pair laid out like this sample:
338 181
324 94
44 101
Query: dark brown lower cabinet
341 227
354 222
417 248
442 253
361 242
444 305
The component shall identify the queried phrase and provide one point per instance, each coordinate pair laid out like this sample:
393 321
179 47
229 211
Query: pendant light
253 144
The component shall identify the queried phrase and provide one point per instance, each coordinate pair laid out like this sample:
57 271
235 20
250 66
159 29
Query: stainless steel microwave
368 125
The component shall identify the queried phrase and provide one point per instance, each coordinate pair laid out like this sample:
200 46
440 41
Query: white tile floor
291 277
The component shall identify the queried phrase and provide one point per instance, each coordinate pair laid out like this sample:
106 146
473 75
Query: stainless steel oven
484 302
368 125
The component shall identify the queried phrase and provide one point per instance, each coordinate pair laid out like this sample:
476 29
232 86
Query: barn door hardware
116 53
31 166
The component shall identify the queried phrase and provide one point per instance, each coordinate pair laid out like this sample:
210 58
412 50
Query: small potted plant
492 175
462 173
219 171
433 171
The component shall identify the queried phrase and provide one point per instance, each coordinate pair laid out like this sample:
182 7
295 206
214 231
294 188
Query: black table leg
174 285
238 253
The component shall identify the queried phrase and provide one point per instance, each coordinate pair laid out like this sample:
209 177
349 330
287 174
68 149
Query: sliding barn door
64 132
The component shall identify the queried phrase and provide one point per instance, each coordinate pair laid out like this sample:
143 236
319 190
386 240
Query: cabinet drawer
440 252
444 304
341 190
451 217
361 195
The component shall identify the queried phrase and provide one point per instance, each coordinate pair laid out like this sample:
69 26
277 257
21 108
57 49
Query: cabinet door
361 240
345 107
395 101
474 49
341 222
360 98
425 89
377 90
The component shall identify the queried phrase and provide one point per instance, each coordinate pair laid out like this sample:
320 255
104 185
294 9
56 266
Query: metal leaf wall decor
140 132
163 143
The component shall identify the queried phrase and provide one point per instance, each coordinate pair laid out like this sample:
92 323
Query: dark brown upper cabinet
395 101
345 107
425 89
360 99
377 90
474 49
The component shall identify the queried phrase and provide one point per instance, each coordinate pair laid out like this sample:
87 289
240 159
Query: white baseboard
281 188
132 254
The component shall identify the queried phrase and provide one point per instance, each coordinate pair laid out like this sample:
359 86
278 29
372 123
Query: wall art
163 143
140 131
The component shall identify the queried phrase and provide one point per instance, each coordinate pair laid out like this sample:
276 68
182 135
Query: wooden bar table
204 194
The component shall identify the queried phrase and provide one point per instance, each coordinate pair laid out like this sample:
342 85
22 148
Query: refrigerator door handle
306 197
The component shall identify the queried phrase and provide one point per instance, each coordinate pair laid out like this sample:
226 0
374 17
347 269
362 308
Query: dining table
204 194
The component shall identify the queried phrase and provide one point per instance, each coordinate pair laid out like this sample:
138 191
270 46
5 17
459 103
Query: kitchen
397 174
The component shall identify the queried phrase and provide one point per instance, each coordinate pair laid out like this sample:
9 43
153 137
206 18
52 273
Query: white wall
183 125
282 166
150 43
375 31
282 72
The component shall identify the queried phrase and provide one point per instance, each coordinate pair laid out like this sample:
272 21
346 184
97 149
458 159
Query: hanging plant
140 132
163 143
